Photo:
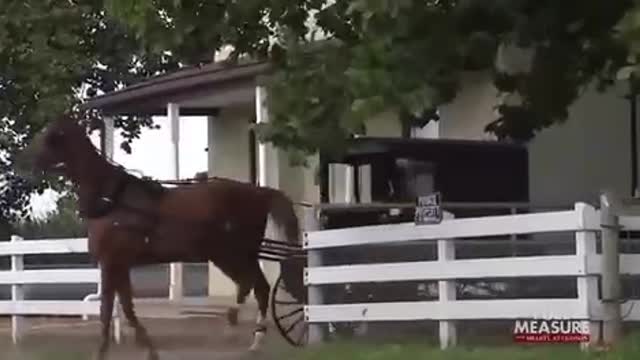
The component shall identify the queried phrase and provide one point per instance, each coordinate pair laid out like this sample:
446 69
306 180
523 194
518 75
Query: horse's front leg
261 291
126 300
106 309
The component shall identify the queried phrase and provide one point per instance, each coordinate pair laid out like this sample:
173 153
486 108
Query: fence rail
17 277
586 265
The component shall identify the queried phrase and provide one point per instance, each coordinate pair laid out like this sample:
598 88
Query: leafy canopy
407 56
52 54
402 55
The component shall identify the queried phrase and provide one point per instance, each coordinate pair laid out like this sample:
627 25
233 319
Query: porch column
109 130
222 141
349 190
175 269
268 173
268 167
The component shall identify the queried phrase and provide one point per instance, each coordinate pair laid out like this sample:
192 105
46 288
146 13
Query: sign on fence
551 331
428 210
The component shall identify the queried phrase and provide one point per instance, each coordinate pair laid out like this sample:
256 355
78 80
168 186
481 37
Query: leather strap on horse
105 201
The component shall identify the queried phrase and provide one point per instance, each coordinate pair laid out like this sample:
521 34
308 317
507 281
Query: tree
52 55
64 222
403 55
628 33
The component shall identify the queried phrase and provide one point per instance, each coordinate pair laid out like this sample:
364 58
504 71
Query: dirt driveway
191 337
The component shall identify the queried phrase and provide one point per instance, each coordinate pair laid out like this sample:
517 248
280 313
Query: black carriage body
463 170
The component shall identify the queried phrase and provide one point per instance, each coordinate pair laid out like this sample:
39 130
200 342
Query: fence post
94 297
587 285
513 238
611 287
17 293
312 223
446 289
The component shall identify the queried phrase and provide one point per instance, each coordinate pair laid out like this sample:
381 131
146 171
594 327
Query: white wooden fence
585 265
18 277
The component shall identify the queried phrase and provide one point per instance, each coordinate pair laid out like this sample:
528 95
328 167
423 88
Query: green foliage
64 222
417 349
52 54
194 30
628 33
405 56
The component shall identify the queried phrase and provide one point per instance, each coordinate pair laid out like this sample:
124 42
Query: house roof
187 85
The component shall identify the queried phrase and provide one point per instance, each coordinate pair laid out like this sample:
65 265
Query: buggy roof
366 149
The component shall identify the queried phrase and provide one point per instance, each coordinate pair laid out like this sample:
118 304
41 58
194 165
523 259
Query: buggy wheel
288 315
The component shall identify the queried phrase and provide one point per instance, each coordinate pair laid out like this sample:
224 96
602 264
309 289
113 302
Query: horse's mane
148 184
151 185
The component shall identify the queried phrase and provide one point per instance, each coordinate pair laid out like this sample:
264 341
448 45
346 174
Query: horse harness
112 198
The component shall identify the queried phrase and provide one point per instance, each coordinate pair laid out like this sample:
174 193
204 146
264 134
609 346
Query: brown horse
133 221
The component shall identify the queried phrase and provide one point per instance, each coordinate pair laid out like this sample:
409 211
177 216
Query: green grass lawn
628 350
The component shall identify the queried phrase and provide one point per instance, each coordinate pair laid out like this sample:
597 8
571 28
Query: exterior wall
471 110
229 143
568 162
574 161
228 157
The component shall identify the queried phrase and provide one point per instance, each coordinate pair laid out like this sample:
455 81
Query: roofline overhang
177 85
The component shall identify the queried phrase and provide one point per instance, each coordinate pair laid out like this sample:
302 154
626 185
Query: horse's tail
284 216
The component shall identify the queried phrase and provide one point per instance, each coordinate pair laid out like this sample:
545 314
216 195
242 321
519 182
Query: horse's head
62 144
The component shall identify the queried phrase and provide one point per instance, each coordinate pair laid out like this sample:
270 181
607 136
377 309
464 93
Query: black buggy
475 178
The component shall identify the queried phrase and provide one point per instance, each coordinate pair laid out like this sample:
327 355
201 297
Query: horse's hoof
257 341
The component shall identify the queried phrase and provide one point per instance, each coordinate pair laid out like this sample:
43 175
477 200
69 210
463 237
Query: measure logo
551 331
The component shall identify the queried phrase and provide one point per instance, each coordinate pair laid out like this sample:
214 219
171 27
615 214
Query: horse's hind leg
242 292
243 288
261 291
126 300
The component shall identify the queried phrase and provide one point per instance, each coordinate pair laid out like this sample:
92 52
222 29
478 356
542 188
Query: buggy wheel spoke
290 314
290 328
290 302
287 304
302 334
